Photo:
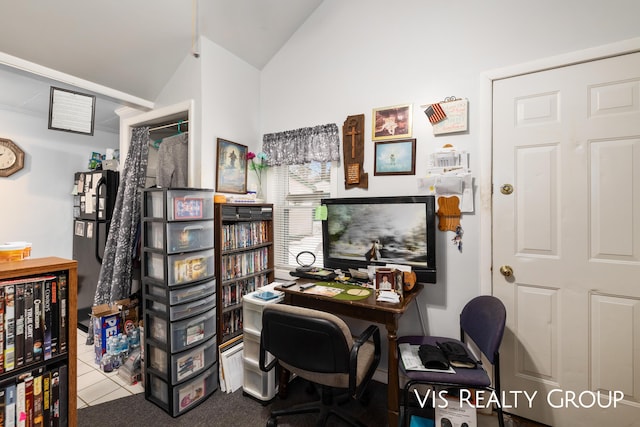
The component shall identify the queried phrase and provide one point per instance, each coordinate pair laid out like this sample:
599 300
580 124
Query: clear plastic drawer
182 294
180 268
184 365
180 311
180 398
180 236
179 204
183 334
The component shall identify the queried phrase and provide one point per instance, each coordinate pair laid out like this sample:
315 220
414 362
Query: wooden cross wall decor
353 153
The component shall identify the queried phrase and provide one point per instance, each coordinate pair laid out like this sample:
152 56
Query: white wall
230 104
36 204
226 94
353 56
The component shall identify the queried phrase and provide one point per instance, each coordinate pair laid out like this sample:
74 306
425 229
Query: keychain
457 240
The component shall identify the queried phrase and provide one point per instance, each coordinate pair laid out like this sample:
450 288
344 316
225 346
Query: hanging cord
195 29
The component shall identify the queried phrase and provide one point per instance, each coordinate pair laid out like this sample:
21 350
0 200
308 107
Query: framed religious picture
395 157
391 122
231 167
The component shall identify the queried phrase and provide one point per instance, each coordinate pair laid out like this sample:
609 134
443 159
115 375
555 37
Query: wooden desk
370 310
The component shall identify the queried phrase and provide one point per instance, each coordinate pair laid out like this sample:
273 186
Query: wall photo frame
231 167
395 157
71 111
392 122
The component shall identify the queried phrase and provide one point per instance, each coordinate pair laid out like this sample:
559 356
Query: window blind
297 191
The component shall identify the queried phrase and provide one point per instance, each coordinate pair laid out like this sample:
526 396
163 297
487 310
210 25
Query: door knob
506 271
506 189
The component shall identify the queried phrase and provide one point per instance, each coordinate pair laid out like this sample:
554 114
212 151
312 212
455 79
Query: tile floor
94 385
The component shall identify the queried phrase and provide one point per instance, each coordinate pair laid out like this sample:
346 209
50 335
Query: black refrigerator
94 197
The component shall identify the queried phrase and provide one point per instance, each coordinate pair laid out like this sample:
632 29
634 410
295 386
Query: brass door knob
506 271
506 189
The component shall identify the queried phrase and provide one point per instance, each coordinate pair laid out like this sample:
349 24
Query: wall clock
11 158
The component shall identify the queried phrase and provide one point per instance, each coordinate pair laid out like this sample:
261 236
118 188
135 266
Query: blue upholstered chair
482 320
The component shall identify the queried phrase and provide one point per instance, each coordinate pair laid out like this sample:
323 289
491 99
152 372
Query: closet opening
168 154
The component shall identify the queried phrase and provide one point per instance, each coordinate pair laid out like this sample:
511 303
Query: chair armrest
353 357
263 357
366 335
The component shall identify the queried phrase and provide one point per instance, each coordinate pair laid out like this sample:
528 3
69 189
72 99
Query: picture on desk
389 279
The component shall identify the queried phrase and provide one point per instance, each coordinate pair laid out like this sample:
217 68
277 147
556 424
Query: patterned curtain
114 282
295 147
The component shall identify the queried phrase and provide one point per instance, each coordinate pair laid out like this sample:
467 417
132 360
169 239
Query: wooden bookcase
244 259
39 267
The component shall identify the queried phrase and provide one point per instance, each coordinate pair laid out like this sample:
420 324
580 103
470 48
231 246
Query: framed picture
231 167
186 208
79 228
395 157
71 111
391 122
389 279
385 279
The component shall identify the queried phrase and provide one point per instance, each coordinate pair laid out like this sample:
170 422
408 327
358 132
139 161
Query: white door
568 142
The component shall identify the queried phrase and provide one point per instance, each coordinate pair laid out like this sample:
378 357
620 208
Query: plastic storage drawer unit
180 268
180 236
184 365
178 399
184 333
180 295
178 204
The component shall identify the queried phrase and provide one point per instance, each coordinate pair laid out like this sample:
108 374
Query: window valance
295 147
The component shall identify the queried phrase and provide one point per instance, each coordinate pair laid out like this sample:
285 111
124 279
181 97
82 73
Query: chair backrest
483 320
308 339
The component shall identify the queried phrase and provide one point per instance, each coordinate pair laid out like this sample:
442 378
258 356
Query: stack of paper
388 296
231 372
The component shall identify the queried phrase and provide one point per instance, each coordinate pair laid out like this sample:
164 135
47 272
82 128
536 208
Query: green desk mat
344 296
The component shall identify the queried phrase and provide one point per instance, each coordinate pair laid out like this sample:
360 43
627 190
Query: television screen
359 232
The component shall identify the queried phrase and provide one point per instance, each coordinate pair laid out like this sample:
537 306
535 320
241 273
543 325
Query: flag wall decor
435 113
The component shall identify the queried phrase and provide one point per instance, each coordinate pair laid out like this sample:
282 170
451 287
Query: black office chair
318 347
482 320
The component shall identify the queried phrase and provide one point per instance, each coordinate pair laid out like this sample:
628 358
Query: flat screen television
363 231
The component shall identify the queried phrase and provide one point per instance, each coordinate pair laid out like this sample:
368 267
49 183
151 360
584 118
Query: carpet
234 409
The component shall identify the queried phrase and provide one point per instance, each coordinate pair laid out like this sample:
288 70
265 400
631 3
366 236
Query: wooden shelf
40 266
226 220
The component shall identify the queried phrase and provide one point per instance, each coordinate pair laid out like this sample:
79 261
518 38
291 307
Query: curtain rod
181 122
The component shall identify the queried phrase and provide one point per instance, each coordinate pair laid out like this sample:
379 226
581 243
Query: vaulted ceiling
134 46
